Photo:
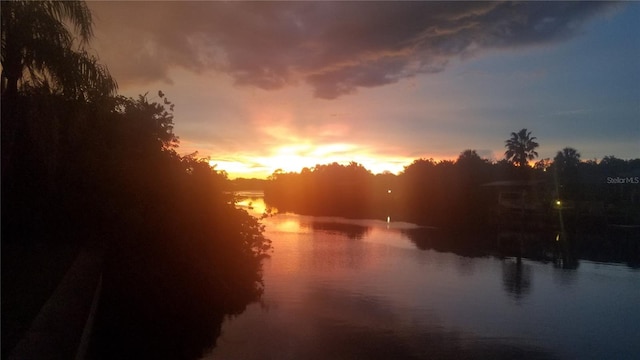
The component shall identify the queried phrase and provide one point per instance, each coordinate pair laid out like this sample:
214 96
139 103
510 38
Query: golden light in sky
231 167
281 143
293 98
295 157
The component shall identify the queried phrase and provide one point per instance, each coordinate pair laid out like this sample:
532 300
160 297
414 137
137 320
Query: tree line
81 163
466 192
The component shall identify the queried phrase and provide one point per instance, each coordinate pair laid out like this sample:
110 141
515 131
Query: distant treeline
470 192
247 184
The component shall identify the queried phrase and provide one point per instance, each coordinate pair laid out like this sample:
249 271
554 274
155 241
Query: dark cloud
336 47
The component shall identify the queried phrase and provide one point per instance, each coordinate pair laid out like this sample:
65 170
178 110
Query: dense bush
179 251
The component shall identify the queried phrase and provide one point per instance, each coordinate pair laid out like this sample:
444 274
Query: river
361 289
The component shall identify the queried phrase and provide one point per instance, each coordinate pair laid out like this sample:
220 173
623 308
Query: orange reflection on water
254 207
251 201
290 226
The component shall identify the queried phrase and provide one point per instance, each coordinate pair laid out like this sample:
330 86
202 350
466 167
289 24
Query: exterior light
558 202
389 191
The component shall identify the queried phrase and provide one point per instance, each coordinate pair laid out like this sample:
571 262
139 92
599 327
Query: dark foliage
38 50
334 189
180 254
243 184
448 194
81 166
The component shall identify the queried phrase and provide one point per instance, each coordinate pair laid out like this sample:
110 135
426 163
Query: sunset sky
269 85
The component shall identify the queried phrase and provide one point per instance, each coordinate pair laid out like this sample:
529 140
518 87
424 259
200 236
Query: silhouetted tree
179 246
521 148
470 164
471 172
40 58
542 164
470 156
567 159
612 165
431 193
35 39
565 165
327 189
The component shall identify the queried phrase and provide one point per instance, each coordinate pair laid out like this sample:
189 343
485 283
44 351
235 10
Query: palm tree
470 157
566 165
567 159
39 54
38 47
521 148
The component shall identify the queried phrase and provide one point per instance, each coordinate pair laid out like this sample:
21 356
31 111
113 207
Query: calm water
340 289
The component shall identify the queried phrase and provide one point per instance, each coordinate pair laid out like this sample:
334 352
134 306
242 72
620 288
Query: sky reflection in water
345 289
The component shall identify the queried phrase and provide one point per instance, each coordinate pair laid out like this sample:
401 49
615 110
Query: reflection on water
336 288
251 201
352 231
516 278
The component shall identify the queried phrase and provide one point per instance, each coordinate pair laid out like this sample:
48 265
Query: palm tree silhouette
568 158
566 165
37 46
521 148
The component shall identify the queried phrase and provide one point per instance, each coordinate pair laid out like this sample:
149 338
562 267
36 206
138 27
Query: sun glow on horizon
295 157
232 168
282 144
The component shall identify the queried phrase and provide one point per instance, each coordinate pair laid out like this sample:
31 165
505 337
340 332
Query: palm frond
76 12
36 43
